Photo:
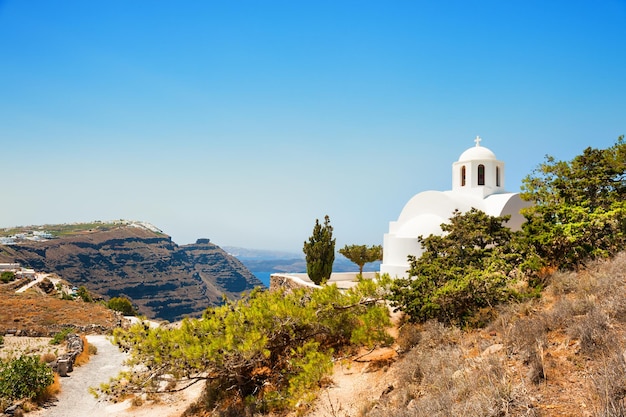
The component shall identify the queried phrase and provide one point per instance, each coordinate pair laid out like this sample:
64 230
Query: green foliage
60 336
320 252
24 378
123 305
361 254
84 294
469 268
267 351
310 366
579 210
7 276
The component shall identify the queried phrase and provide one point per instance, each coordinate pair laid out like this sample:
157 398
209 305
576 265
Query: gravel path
75 399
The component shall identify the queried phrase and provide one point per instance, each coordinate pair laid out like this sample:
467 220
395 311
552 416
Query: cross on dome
477 140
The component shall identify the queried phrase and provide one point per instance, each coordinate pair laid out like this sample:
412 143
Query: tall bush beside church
579 206
468 269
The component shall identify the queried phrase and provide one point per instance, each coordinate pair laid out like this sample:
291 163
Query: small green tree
361 254
123 305
320 252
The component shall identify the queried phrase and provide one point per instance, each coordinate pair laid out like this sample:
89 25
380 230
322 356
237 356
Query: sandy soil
14 346
356 386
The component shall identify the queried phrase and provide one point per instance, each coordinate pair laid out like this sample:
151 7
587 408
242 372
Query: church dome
477 153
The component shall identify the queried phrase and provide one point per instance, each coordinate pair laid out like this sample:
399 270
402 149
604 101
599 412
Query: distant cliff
164 280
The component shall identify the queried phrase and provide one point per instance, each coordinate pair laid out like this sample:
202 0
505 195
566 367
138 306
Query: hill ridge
164 280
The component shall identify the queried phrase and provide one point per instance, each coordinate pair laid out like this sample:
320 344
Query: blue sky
244 121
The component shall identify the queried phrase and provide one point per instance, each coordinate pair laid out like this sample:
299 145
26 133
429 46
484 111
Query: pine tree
264 353
320 252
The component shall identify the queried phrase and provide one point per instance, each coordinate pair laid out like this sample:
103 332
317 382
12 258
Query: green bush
24 378
60 336
578 206
464 273
123 305
7 276
84 294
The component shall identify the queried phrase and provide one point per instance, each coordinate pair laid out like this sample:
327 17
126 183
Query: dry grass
48 357
33 311
562 355
15 346
83 357
446 374
51 391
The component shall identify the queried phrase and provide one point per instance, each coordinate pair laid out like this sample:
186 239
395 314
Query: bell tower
478 172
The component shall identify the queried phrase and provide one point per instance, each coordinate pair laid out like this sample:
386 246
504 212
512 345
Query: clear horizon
243 122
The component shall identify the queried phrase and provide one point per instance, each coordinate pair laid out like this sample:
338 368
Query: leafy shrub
60 336
24 378
84 294
362 254
578 206
50 391
7 276
123 305
463 273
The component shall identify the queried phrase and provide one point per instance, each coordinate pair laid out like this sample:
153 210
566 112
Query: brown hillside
35 314
561 355
164 280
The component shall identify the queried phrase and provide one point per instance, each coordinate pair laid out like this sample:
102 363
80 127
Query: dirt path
355 386
76 401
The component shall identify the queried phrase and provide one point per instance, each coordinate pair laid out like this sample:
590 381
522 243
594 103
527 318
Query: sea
263 276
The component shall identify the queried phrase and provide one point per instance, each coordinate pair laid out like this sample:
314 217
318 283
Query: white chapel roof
477 152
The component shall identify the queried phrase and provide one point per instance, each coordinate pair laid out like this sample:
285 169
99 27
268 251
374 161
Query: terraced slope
164 280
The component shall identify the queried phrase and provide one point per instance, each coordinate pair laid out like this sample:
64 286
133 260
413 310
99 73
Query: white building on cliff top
477 181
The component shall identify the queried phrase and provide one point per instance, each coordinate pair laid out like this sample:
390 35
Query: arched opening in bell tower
481 174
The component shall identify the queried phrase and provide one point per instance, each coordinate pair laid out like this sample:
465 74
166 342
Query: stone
492 349
62 367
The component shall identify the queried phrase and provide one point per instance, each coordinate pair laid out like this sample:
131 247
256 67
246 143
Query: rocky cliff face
164 280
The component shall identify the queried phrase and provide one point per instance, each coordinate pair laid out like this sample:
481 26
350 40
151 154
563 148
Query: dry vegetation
14 346
561 355
38 313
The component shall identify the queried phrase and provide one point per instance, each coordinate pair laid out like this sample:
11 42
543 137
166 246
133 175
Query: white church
477 181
